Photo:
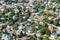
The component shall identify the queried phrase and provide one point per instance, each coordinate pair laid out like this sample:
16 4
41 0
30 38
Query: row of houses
31 20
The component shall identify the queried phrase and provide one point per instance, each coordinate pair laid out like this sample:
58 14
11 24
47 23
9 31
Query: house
18 38
12 5
50 17
32 10
38 34
5 37
15 17
58 30
8 5
2 9
41 23
49 2
23 13
37 27
31 2
59 16
0 6
2 18
24 38
57 10
2 1
50 27
29 19
37 13
22 23
31 30
9 28
41 17
51 11
0 24
53 36
7 13
16 9
21 27
33 15
18 32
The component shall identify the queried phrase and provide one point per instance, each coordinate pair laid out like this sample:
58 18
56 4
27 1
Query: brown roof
51 17
23 12
51 11
7 13
0 24
16 10
51 27
8 6
38 34
41 17
41 23
23 38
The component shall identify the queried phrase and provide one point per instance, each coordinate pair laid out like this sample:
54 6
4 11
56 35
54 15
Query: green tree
45 38
48 32
56 23
44 25
58 1
58 38
42 30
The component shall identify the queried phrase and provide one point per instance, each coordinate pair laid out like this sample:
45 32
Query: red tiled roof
23 38
38 34
51 17
16 10
41 17
50 27
0 24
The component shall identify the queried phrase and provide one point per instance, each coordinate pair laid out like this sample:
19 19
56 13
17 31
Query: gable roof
50 17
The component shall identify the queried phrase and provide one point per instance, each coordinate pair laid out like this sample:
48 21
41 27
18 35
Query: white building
2 1
21 27
5 37
53 36
58 30
31 2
